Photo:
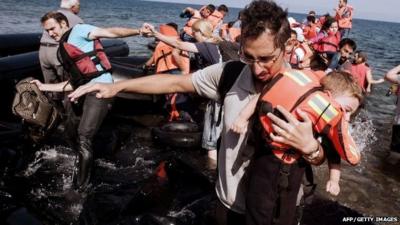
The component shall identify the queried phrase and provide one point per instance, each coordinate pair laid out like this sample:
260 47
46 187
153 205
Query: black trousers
262 205
395 144
86 125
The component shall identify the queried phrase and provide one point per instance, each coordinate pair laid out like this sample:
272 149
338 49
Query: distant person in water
51 68
361 71
79 41
393 76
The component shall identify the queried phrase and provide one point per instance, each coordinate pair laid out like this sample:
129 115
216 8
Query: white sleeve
299 54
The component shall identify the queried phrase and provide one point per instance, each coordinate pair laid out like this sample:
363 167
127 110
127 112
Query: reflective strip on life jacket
344 143
299 77
323 108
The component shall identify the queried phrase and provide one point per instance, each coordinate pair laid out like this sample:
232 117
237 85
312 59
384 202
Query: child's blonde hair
206 29
341 82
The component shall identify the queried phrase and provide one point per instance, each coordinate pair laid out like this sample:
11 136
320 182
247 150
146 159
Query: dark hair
311 19
210 7
362 54
328 22
345 1
223 8
349 42
311 12
174 25
293 32
57 16
260 15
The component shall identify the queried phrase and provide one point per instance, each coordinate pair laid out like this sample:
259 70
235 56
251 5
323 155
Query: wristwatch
314 154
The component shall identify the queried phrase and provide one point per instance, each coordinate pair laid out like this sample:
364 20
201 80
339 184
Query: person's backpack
33 106
229 50
230 73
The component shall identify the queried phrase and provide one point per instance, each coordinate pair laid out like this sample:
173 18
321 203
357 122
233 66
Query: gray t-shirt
72 21
234 153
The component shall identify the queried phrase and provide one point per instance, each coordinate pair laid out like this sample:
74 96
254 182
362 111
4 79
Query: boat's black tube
178 134
12 44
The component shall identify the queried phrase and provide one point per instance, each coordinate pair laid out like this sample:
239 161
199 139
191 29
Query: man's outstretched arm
155 84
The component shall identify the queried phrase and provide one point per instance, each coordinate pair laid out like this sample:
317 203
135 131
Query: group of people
275 117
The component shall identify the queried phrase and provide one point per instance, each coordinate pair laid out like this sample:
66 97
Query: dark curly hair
260 15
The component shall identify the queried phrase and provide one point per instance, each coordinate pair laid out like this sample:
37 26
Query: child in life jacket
341 95
297 53
361 71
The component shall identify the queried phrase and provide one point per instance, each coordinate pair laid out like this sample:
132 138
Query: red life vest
359 72
345 17
80 66
303 91
310 31
329 43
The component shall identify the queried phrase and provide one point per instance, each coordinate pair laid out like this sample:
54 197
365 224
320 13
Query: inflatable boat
13 44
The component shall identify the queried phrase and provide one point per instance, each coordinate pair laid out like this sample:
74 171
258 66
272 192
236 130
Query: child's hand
240 125
333 187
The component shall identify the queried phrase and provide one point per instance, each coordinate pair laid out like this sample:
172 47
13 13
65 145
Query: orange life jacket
345 17
303 92
310 31
329 43
81 66
188 26
165 61
163 57
215 18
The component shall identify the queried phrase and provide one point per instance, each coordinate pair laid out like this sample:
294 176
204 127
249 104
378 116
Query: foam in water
43 155
363 132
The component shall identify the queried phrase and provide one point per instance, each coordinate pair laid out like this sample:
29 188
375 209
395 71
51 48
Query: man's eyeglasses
261 60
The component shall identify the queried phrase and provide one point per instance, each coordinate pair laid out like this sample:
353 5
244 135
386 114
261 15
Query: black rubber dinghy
12 44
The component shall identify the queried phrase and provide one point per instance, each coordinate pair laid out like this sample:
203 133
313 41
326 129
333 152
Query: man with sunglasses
265 30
